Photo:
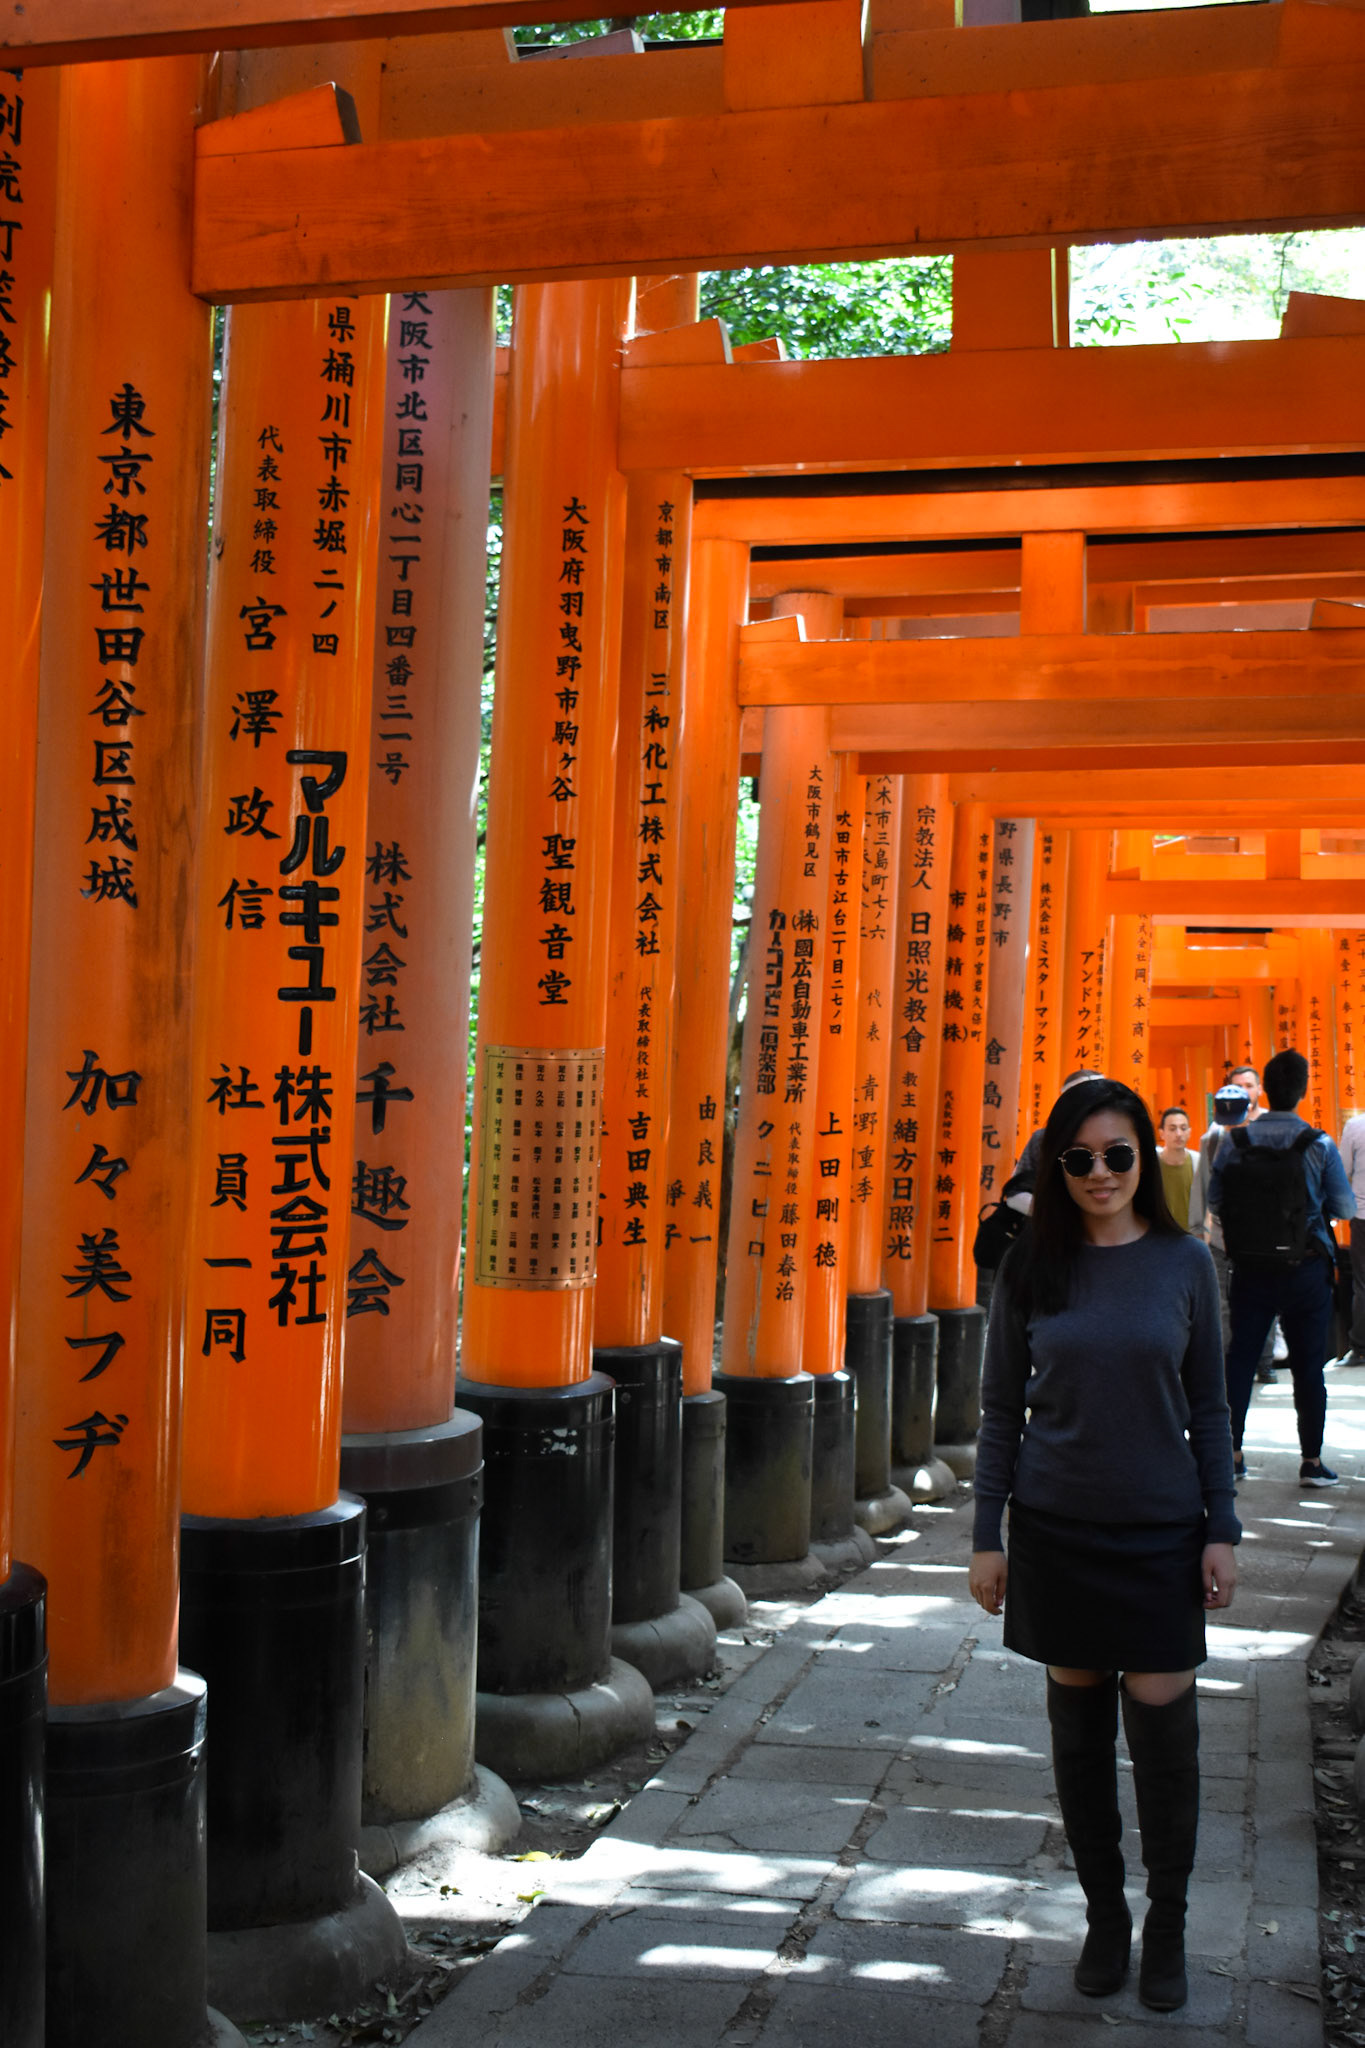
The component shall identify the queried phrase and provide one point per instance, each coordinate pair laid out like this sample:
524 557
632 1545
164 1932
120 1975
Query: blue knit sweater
1114 1410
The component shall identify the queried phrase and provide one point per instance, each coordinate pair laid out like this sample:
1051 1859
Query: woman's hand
986 1577
1219 1565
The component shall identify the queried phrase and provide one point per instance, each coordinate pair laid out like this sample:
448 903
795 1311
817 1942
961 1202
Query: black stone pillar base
273 1610
869 1330
914 1374
702 1571
670 1640
552 1700
301 1968
769 1430
836 1538
957 1416
878 1505
23 1702
126 1948
423 1489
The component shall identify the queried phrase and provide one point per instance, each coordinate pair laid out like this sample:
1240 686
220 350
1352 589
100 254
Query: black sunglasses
1079 1160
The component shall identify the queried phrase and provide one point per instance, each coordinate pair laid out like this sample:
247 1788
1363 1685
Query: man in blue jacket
1301 1294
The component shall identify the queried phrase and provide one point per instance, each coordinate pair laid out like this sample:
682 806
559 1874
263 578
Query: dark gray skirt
1105 1596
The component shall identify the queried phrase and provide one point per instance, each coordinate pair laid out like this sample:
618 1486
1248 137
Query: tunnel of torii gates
1049 666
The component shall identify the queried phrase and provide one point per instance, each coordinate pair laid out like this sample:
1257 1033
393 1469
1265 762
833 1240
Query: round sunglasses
1079 1160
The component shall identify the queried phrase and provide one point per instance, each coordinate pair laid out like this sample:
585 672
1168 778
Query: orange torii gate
897 141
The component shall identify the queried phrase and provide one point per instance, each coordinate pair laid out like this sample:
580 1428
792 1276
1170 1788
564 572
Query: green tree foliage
901 307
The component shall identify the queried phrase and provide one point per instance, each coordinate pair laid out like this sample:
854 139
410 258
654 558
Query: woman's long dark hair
1044 1258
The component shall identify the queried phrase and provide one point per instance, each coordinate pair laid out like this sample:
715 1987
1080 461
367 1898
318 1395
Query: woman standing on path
1105 1429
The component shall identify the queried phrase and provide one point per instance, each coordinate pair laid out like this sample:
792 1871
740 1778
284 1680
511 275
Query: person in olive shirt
1178 1170
1105 1431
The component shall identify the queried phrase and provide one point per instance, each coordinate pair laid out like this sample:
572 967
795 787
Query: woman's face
1102 1192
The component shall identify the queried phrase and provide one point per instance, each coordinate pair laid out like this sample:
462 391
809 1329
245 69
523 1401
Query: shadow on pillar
835 1537
702 1569
769 1446
552 1700
664 1633
957 1416
869 1327
272 1611
23 1703
126 1947
914 1384
420 1787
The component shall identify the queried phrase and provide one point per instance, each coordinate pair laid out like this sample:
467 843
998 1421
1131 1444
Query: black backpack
1264 1210
998 1225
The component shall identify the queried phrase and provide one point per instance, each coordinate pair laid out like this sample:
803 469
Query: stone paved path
861 1837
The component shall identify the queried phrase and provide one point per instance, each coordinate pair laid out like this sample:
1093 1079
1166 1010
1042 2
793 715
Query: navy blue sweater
1114 1410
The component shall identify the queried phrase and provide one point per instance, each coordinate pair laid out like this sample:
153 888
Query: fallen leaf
1269 1926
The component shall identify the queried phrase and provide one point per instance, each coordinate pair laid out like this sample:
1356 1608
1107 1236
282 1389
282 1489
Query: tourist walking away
1234 1104
1105 1431
1353 1159
1274 1186
1179 1171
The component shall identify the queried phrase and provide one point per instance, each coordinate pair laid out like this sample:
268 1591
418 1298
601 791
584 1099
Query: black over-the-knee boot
1085 1724
1164 1745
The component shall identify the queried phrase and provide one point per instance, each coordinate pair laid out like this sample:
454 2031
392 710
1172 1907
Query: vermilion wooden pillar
417 1464
282 887
957 1155
28 126
1130 1021
105 1165
1082 983
772 1219
1011 901
717 604
921 953
1043 994
667 1637
545 1568
1318 1024
1348 948
870 1311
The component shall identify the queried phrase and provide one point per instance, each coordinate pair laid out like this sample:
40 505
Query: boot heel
1162 1983
1103 1964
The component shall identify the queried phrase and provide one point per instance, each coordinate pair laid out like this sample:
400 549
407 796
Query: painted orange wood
408 1184
543 981
29 117
777 58
921 950
284 873
472 84
1131 1009
106 1167
1007 1023
706 883
772 1219
1052 584
834 1167
1319 313
871 583
1281 901
1167 668
954 1194
650 749
321 116
1005 299
1348 952
1043 1014
872 1123
1243 149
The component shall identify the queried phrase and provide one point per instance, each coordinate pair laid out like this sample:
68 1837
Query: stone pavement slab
861 1836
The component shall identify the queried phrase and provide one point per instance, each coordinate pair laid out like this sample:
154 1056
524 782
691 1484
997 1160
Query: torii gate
798 138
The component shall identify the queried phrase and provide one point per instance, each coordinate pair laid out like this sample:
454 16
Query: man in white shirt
1352 1150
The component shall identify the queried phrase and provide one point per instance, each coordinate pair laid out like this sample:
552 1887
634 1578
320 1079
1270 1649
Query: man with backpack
1275 1184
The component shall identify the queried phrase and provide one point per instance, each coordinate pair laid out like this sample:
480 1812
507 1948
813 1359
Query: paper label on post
539 1135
